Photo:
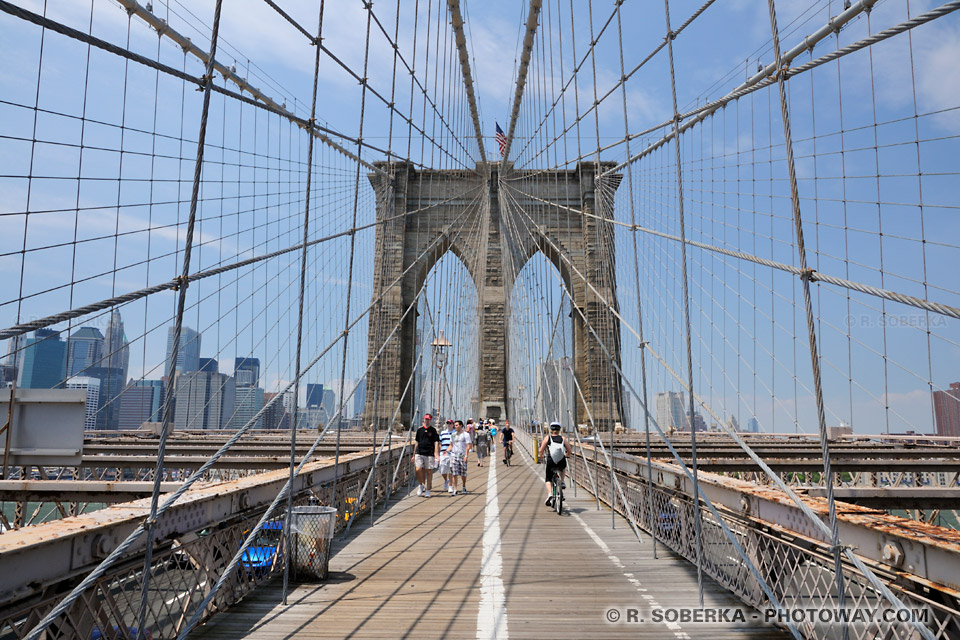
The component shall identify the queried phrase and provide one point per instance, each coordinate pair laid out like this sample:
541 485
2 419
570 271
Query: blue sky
254 182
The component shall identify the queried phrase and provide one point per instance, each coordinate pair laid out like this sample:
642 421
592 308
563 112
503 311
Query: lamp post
440 345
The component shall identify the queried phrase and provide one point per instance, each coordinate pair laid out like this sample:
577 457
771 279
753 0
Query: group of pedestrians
448 450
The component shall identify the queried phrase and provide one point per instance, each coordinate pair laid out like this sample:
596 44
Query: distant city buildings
698 422
276 416
188 354
92 385
204 400
670 411
141 401
43 362
360 398
314 394
946 411
246 371
753 426
85 351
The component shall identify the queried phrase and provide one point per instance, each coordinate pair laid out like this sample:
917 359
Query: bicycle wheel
557 495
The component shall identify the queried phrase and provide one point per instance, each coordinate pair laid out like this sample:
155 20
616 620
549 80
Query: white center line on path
492 616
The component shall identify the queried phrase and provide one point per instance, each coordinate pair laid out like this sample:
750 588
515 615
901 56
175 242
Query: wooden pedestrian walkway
452 566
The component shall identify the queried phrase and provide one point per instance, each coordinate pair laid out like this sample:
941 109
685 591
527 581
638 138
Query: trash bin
311 530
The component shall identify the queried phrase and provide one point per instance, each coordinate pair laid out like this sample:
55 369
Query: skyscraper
85 351
360 398
188 355
204 400
946 410
249 401
246 371
141 401
92 385
15 351
276 416
116 349
753 426
314 394
670 411
329 404
43 361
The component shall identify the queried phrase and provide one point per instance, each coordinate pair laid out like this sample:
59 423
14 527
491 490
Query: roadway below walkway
492 563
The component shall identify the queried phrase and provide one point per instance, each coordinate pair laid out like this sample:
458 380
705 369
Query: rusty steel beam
78 490
895 497
920 552
45 554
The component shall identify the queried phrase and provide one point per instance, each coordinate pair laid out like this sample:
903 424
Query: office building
359 398
946 411
208 365
329 404
112 383
314 394
92 385
753 426
188 355
276 416
44 361
248 402
84 351
204 400
246 371
141 401
698 422
670 412
15 350
116 349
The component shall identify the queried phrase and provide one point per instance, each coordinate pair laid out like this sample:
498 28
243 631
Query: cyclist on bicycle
506 439
559 449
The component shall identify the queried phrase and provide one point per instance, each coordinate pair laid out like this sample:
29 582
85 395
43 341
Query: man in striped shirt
445 437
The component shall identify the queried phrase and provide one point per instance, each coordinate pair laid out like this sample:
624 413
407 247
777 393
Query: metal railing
184 568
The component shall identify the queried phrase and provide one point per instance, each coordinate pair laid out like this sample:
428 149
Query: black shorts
551 465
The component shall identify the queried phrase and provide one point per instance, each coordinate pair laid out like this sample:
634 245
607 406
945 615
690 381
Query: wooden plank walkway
418 573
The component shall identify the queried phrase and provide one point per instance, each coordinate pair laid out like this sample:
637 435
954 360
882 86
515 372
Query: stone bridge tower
443 217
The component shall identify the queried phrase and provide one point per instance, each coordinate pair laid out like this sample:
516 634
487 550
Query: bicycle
557 484
507 452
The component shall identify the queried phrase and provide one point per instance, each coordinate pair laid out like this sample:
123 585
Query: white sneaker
419 489
426 494
450 489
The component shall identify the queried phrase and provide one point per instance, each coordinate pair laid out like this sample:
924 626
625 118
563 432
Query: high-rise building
112 383
698 422
329 404
188 355
249 401
314 394
92 385
141 401
15 351
753 426
556 391
85 351
946 410
43 362
208 365
246 371
203 400
276 416
670 412
359 398
732 423
116 349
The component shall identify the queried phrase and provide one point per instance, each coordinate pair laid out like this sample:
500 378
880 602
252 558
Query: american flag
501 139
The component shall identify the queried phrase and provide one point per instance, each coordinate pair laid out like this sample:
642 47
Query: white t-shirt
460 443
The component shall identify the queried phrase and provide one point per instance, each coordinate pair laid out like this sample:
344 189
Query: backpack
556 451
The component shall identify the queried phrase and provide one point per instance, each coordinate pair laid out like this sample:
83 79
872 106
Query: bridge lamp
440 345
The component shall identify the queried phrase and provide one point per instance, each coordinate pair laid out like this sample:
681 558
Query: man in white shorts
445 436
426 453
